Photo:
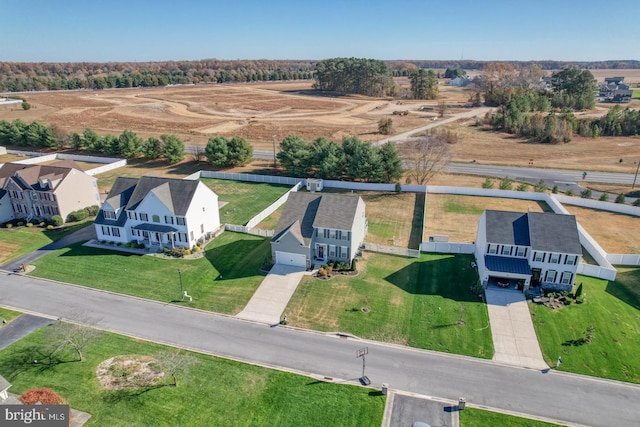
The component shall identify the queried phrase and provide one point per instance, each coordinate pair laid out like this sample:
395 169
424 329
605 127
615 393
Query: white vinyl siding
554 259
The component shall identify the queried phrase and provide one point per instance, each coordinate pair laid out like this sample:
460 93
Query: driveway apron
514 338
269 301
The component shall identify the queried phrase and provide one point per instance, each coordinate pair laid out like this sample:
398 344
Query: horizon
196 30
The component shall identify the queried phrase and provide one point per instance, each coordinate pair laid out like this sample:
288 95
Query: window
132 215
55 210
520 251
554 259
168 219
571 260
551 276
538 256
326 233
184 237
345 235
105 231
344 252
115 231
492 249
565 279
332 234
180 220
506 250
109 214
156 218
144 216
339 234
332 251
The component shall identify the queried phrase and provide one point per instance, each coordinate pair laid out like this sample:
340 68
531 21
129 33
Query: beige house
38 192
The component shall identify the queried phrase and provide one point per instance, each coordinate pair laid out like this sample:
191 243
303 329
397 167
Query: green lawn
413 301
214 392
470 417
614 309
236 257
636 94
19 241
244 199
8 315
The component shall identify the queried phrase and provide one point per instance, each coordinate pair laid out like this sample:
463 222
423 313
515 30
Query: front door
535 276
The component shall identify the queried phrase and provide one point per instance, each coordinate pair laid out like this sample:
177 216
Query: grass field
244 199
457 216
213 392
613 308
415 302
616 233
8 315
470 417
19 241
234 257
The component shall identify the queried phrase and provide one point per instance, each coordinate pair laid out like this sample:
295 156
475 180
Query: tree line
128 145
362 76
20 76
353 159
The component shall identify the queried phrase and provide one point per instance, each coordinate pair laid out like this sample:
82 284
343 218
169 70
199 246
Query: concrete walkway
514 339
269 301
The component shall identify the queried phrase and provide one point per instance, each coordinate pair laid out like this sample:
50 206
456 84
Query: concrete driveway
269 301
20 327
406 408
514 338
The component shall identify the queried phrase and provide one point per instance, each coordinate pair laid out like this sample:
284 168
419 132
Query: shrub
354 264
569 192
398 187
178 251
604 197
29 224
26 105
488 183
20 223
322 272
523 187
140 245
637 202
187 252
586 194
56 220
554 190
43 395
93 210
9 225
621 198
506 183
42 224
49 227
78 215
541 187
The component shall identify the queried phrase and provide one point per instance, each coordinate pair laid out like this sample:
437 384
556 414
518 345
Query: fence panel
601 205
393 250
447 248
624 259
597 271
273 207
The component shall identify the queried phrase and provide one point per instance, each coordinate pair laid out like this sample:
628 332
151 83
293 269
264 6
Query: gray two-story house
520 250
315 228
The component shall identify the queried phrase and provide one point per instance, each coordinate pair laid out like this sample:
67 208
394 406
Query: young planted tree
426 156
240 152
217 151
152 148
173 148
175 363
385 126
63 335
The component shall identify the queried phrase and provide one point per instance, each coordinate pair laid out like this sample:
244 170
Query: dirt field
260 111
621 235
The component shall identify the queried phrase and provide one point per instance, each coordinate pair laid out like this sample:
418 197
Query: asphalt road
566 397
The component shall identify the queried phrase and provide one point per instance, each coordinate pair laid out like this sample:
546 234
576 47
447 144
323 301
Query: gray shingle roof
312 210
26 176
507 264
549 232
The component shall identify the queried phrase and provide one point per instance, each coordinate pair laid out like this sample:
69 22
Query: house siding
77 191
289 243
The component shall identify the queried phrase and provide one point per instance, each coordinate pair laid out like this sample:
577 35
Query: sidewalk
514 338
269 301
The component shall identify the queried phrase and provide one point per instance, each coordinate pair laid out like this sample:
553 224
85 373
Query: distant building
614 90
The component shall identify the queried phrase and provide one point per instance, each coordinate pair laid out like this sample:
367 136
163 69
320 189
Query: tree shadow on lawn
625 287
30 359
449 277
239 258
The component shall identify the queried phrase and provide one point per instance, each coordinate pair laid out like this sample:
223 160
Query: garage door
287 258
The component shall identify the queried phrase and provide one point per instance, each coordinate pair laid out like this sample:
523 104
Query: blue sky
148 30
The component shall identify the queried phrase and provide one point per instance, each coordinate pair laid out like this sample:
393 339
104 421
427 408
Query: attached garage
288 258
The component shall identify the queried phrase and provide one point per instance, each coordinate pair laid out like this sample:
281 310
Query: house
158 212
38 192
317 228
459 81
527 249
614 90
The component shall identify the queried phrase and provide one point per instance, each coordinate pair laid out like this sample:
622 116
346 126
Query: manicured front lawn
470 417
244 199
412 301
18 241
223 281
214 392
8 315
613 308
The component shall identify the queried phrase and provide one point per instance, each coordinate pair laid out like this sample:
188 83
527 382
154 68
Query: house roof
160 228
175 194
29 176
505 264
305 211
540 230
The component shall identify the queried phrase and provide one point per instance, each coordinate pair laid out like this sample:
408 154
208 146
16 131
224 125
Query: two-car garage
293 259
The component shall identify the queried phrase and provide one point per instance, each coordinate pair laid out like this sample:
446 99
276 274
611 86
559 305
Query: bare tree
197 155
175 363
72 335
426 156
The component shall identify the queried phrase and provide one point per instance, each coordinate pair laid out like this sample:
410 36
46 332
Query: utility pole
273 139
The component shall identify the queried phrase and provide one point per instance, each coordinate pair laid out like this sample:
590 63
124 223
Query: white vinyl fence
624 259
447 248
393 250
273 207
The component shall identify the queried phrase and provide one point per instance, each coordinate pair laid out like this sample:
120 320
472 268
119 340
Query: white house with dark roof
316 228
39 192
527 249
158 212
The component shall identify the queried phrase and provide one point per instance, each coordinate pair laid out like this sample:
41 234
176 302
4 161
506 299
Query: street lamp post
181 291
